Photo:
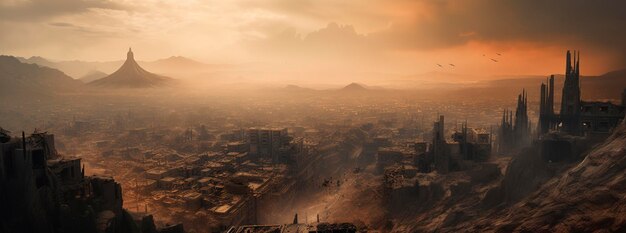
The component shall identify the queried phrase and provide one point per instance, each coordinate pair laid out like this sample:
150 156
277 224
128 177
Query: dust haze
312 116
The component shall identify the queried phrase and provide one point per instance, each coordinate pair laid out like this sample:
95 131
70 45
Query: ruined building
515 132
547 118
570 100
438 150
42 191
576 117
467 145
266 143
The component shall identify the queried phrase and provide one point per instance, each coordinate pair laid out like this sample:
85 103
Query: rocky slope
522 194
21 79
587 197
533 195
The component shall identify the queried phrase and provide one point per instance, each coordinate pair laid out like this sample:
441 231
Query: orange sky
386 36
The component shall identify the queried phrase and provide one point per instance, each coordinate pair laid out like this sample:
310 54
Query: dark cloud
437 24
36 10
567 23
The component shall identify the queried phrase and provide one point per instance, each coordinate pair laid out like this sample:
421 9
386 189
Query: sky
384 36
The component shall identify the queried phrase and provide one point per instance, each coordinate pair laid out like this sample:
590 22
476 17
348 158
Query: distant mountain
131 75
78 69
19 78
92 76
606 86
354 87
37 60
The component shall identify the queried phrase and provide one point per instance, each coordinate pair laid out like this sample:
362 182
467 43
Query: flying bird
452 65
494 60
439 65
499 54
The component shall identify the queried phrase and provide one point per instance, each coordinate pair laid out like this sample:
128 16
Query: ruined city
317 141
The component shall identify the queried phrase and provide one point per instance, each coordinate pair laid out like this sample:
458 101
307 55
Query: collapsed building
243 182
42 191
265 143
442 155
558 134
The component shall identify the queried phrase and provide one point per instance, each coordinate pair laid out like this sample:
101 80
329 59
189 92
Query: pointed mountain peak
131 75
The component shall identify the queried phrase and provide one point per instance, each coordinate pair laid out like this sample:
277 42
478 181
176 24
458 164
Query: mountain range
78 69
601 87
22 79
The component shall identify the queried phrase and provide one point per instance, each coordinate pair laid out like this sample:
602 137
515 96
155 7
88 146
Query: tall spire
129 55
542 100
568 62
551 95
578 63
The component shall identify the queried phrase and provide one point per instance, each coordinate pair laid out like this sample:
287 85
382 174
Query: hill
75 68
78 69
354 87
22 79
587 197
92 76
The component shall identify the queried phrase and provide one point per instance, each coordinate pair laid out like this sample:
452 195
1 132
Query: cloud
447 22
331 43
381 34
37 10
425 25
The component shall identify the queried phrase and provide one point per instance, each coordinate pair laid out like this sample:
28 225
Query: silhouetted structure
547 119
467 145
441 159
570 100
515 134
576 117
